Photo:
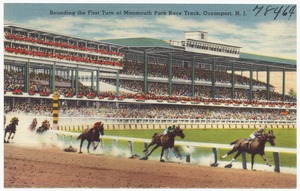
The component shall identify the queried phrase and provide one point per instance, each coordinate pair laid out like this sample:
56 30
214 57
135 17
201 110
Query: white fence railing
214 146
87 120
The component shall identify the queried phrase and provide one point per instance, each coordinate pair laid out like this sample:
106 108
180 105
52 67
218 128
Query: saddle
249 142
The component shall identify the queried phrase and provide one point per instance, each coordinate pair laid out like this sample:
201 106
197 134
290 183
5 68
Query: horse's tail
154 135
234 142
79 137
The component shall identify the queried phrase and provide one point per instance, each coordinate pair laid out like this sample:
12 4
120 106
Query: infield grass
284 138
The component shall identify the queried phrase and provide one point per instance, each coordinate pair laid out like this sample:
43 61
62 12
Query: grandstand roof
160 48
136 42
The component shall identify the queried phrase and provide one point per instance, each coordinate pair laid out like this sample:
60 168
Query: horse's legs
252 160
8 137
167 154
156 146
236 155
265 159
150 144
233 159
80 145
5 136
162 153
95 147
13 136
88 147
175 153
234 149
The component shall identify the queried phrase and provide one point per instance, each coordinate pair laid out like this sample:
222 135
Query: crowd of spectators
65 51
61 55
109 110
182 90
49 41
136 68
39 82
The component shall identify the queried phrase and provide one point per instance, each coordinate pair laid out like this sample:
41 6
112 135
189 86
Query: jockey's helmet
13 119
45 122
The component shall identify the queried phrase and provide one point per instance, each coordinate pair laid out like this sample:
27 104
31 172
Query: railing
214 146
88 120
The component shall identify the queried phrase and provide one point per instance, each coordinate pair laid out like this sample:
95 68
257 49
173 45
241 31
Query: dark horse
11 129
33 125
165 141
257 146
45 127
91 135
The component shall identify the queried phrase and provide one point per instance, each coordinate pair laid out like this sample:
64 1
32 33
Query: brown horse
33 125
165 141
257 146
91 135
11 129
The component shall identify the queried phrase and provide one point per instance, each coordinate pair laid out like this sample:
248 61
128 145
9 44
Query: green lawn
284 138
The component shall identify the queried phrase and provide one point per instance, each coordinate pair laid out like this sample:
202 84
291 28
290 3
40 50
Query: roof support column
76 81
268 83
213 80
53 78
193 77
283 84
170 74
72 79
97 82
145 87
92 80
27 76
232 80
117 82
250 83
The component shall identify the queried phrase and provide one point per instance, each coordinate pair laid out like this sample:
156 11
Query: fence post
64 138
188 155
72 139
215 152
130 146
276 161
115 141
244 160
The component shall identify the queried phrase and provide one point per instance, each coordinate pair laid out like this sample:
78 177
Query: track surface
53 168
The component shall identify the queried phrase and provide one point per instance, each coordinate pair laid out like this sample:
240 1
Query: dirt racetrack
53 168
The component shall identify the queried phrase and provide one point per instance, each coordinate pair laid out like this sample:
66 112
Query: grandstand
136 72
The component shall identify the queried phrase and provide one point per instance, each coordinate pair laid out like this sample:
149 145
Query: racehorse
91 135
11 128
45 127
33 125
257 146
165 141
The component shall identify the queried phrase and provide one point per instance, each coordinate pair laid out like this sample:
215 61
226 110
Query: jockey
169 129
256 133
13 119
44 127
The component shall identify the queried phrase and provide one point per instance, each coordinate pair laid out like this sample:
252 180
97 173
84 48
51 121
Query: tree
292 93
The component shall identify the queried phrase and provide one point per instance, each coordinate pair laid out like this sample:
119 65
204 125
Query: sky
256 30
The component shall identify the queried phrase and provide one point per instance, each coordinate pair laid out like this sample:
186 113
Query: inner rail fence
81 123
214 146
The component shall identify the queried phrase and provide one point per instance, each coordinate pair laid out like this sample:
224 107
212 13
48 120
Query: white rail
184 143
214 146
